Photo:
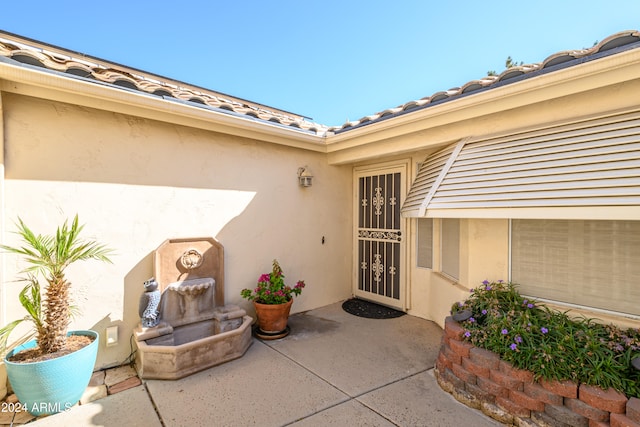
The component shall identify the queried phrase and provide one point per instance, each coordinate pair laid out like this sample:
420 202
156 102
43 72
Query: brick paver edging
481 380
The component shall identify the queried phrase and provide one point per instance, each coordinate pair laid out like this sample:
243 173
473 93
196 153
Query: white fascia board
590 75
31 81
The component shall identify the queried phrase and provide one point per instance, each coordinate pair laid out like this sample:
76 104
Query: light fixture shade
304 177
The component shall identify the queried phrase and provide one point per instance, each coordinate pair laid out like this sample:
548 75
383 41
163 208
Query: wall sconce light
304 177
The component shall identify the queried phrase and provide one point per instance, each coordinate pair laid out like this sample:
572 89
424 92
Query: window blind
450 259
425 243
585 262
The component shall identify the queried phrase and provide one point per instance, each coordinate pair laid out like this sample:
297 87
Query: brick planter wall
481 380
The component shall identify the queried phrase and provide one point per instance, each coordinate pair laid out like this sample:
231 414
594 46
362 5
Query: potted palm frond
49 374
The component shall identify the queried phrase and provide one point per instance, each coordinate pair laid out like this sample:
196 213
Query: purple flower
485 282
484 311
472 320
472 290
529 305
518 339
504 332
544 330
488 288
513 346
467 334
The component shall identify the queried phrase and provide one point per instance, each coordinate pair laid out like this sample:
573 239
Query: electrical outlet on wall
112 336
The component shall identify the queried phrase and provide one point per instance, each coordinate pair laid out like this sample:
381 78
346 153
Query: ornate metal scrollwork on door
377 267
379 234
378 201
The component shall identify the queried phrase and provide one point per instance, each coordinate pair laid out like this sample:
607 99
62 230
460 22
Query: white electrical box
112 336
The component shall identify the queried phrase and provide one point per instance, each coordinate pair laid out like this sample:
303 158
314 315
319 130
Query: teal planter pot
55 385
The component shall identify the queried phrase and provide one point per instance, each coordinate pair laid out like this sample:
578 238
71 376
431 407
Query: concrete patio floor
333 369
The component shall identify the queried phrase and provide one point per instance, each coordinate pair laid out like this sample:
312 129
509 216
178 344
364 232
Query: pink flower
271 288
264 278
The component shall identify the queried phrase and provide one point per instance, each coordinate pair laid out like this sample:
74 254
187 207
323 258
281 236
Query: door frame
401 166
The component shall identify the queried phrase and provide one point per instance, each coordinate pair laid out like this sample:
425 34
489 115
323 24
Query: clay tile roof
95 70
123 77
622 40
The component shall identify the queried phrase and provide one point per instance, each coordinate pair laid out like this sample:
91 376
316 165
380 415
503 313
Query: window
588 263
450 247
424 239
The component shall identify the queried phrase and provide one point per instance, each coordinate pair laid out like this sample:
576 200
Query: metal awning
586 169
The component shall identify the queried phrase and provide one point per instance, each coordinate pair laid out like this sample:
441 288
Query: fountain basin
195 329
191 348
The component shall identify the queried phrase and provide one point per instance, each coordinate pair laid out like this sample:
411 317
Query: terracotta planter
272 318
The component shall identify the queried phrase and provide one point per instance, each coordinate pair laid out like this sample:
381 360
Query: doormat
370 310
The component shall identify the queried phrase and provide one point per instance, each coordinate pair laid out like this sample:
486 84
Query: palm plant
49 256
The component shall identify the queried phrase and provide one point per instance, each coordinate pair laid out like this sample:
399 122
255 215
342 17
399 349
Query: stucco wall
136 182
484 255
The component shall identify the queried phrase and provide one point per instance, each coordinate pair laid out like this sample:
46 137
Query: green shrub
550 344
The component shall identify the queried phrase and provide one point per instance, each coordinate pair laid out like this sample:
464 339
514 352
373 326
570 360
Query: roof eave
45 84
371 141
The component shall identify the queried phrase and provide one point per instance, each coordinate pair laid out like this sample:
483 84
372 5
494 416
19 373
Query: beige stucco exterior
483 256
138 170
135 182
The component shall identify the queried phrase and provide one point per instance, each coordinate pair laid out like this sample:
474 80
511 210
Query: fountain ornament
185 326
148 308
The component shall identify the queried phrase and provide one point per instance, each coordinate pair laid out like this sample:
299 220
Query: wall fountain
185 325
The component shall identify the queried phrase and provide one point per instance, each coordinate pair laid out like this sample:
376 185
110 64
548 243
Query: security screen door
379 236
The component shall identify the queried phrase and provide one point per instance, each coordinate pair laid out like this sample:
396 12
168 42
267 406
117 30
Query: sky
331 61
